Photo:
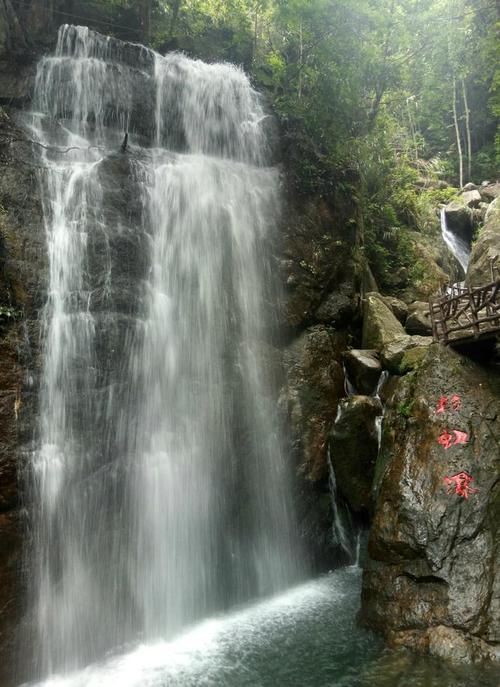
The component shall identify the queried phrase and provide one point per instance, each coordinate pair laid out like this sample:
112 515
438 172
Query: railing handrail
467 303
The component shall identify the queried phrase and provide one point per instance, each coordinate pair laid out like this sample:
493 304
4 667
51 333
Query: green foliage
8 313
363 89
405 409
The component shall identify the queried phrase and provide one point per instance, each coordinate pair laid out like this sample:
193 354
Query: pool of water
304 637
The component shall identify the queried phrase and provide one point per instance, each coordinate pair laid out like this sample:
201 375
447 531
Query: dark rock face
353 449
23 267
459 219
316 267
315 384
340 306
434 555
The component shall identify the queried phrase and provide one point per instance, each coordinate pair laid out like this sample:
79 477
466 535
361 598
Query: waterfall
458 247
160 490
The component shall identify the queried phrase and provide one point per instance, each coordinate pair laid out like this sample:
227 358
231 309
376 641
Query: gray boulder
363 369
418 320
486 250
490 192
404 353
471 198
398 307
380 325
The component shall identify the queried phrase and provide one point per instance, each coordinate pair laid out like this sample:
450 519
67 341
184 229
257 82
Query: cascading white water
160 488
458 247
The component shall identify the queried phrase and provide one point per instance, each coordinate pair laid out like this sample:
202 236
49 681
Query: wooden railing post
464 312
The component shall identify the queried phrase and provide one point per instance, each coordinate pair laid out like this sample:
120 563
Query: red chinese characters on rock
446 439
460 437
443 402
460 484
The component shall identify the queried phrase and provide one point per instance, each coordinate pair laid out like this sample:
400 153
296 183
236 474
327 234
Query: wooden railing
463 314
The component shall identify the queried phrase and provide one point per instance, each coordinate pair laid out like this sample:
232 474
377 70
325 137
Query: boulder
492 210
419 320
486 250
459 647
353 447
459 219
396 355
309 398
490 192
433 554
398 307
314 386
380 326
470 187
471 198
363 369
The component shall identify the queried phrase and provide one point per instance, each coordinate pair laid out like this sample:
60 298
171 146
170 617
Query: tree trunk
145 19
255 32
457 133
413 130
176 6
301 59
467 128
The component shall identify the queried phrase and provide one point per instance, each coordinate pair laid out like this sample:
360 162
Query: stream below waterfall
306 636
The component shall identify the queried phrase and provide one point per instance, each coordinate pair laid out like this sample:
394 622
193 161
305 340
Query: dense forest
395 102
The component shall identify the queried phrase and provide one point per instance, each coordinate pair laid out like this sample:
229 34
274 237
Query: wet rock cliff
23 267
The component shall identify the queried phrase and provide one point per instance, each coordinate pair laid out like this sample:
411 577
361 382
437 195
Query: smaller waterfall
347 534
459 247
344 533
384 376
349 388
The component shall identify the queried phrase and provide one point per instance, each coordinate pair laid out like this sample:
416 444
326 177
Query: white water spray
160 488
458 247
